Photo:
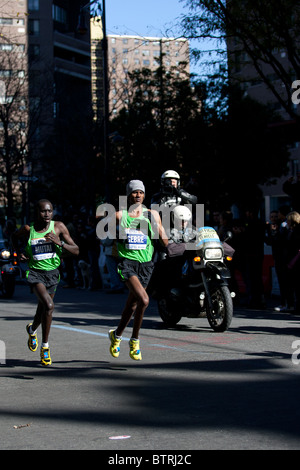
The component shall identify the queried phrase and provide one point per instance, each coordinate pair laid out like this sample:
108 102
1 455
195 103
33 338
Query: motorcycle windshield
207 237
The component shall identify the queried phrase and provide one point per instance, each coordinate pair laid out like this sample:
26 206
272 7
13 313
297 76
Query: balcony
72 56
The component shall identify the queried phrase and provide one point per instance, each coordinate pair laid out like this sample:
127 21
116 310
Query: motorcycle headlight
213 253
5 254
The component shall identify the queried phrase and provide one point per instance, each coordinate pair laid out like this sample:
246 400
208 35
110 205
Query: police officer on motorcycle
182 230
171 194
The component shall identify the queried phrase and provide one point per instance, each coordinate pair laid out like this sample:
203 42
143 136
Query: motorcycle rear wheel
221 316
167 314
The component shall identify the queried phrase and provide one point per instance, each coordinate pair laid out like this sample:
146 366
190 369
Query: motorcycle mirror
228 236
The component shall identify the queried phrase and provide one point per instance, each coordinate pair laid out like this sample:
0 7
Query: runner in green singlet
46 240
135 249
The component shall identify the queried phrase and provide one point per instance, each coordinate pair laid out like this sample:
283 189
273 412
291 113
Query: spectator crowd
250 235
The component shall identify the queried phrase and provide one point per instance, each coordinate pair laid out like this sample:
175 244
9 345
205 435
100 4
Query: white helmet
182 213
170 174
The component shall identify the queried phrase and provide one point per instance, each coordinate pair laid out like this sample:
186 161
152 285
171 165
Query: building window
6 47
33 27
55 109
59 14
33 5
34 51
5 73
12 21
6 99
20 48
6 21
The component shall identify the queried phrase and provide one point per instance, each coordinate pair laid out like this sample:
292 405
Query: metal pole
106 106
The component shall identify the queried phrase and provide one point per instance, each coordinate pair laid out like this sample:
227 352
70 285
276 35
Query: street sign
24 178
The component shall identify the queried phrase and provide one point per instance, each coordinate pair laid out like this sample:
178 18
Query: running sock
45 345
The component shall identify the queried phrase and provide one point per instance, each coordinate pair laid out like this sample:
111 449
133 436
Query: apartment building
52 59
127 54
54 51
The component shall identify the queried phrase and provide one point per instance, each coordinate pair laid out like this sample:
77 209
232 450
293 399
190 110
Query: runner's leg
44 310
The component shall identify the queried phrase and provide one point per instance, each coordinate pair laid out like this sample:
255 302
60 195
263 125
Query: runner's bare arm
63 237
161 231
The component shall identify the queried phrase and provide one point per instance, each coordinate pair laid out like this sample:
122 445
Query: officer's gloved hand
186 197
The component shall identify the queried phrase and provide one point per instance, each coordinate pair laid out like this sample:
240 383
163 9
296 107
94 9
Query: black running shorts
143 271
50 279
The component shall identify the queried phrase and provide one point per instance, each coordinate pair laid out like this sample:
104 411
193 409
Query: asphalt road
194 389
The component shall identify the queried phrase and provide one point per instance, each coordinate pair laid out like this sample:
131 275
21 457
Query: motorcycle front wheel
220 316
167 314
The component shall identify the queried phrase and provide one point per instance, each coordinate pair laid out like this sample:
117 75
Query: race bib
42 249
136 240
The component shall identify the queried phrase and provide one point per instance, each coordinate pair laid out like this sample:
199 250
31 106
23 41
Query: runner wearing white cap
135 249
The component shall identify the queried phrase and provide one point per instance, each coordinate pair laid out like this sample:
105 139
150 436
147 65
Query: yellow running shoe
114 344
32 340
135 352
45 357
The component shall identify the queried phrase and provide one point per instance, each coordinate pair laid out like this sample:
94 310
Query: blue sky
145 18
142 17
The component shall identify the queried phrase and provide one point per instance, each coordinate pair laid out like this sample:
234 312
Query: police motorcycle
192 280
8 269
